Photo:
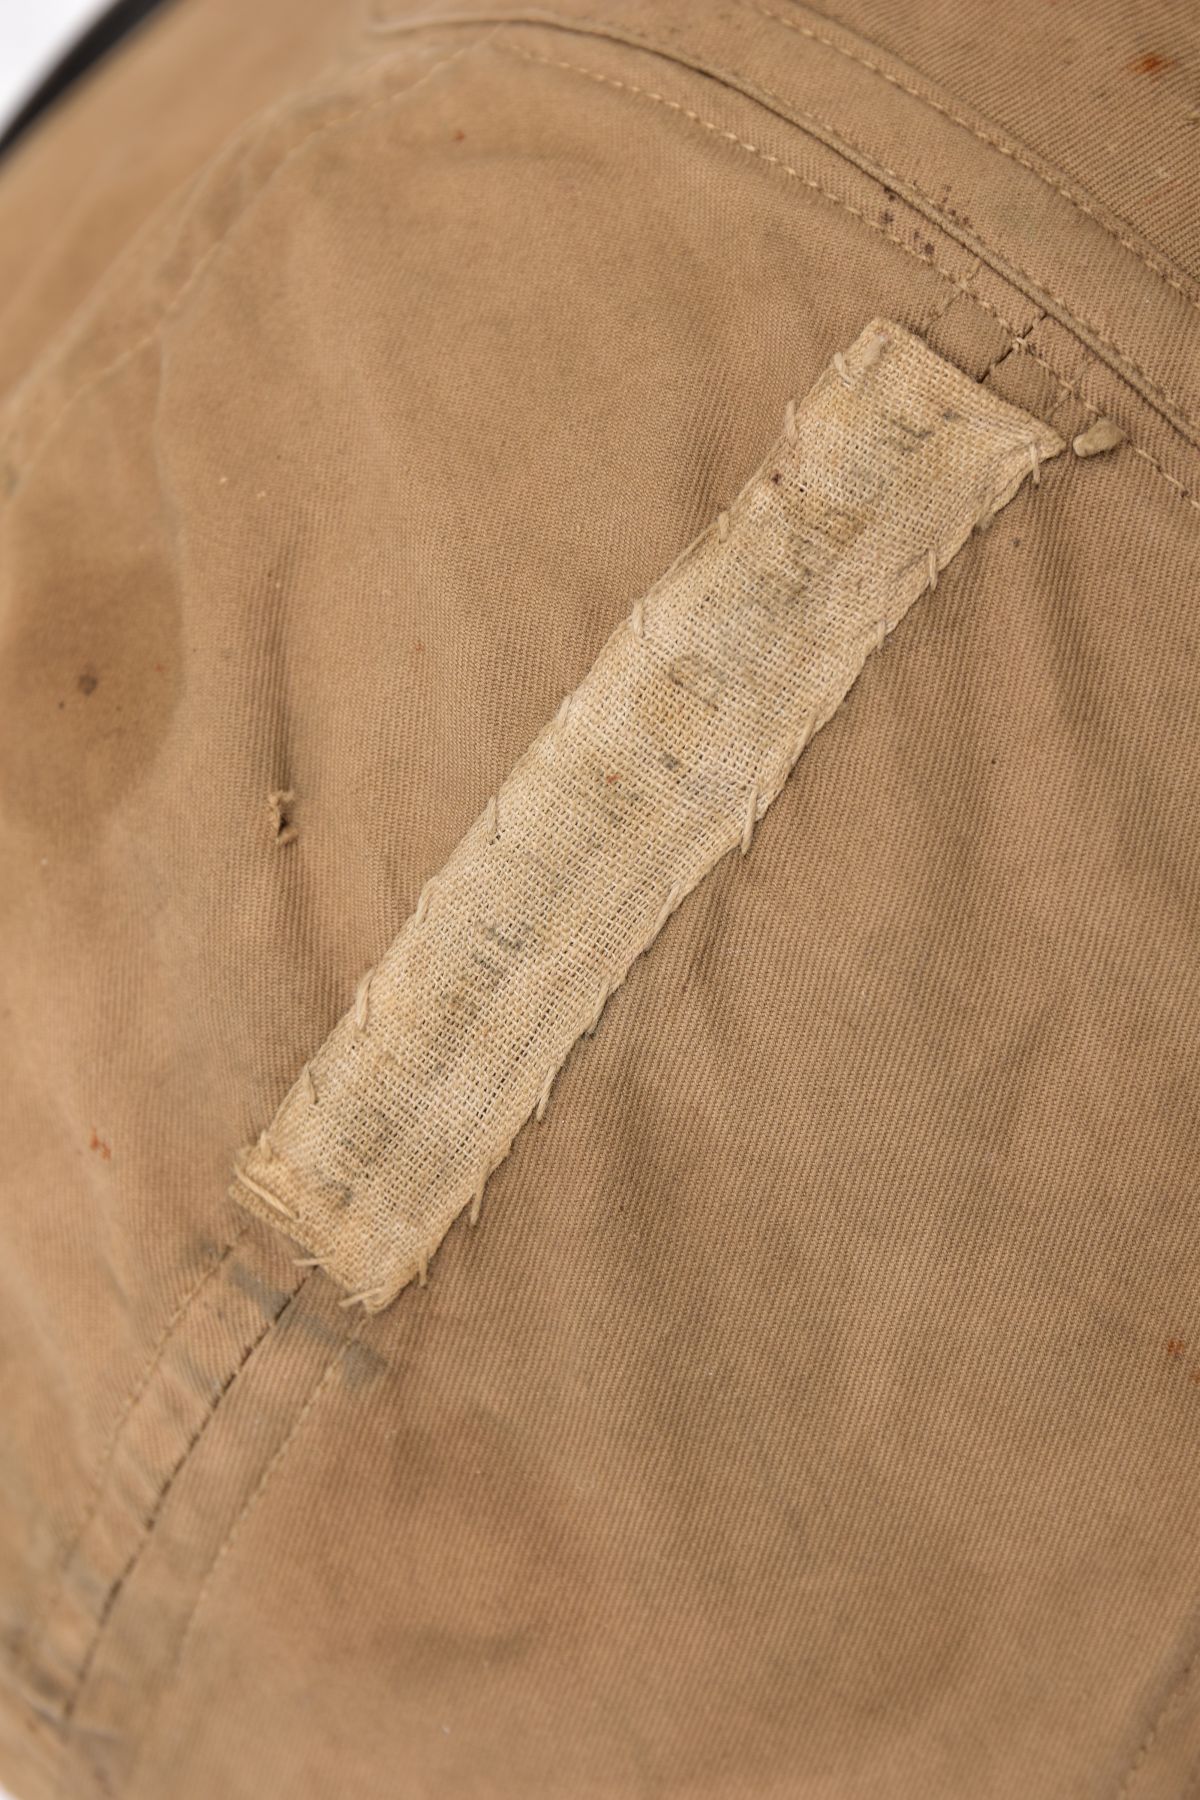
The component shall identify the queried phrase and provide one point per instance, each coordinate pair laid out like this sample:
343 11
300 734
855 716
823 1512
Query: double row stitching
959 282
789 111
247 1507
147 1531
1072 390
605 29
33 1636
1076 198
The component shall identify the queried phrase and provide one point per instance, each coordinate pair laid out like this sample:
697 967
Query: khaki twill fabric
814 1409
660 763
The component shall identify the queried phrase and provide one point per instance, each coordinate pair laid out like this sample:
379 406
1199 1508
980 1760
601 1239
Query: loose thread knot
873 351
544 1096
264 1194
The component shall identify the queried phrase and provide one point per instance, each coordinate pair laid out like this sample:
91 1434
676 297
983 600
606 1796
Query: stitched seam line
179 207
126 356
1077 199
151 1519
959 282
181 293
1177 1692
578 24
1072 389
957 290
962 283
32 1637
133 350
902 181
251 1501
1016 343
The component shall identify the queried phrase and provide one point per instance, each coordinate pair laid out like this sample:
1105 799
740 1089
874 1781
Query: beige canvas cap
599 901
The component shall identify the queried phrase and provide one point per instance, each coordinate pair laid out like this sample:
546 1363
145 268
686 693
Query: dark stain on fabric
1151 63
270 1299
73 601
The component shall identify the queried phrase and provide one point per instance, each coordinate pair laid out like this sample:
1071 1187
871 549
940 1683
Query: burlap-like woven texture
678 739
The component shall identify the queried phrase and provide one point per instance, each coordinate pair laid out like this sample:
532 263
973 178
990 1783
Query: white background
33 35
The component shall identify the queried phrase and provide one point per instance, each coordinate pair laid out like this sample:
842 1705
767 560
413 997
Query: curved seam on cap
151 1520
835 140
1175 1694
201 265
266 1475
32 1637
960 283
1081 201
